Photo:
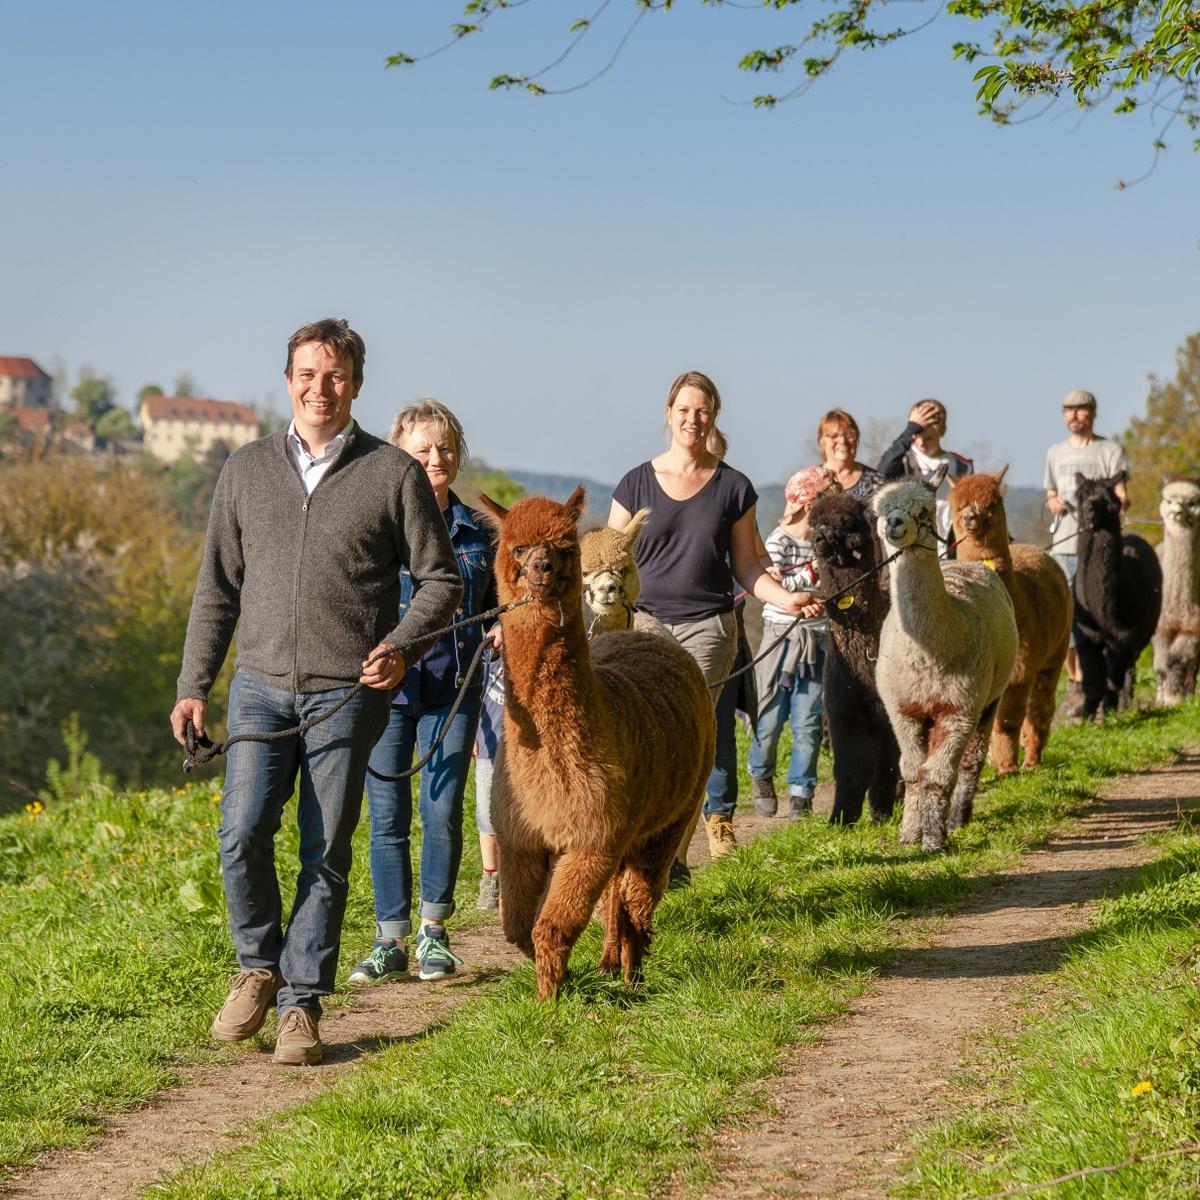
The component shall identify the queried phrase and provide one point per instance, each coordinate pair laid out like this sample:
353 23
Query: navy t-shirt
682 552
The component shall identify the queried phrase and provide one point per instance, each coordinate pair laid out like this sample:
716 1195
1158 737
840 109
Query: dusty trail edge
838 1118
831 1125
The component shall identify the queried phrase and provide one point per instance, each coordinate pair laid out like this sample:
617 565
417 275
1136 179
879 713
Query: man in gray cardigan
308 532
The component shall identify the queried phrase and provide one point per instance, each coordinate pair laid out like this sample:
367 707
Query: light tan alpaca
1177 638
946 651
606 746
611 583
1041 600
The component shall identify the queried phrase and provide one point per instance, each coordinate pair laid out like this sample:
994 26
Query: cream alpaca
1177 638
611 584
946 651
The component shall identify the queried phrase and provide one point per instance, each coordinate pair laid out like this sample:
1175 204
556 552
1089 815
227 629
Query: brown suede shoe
721 839
251 993
298 1043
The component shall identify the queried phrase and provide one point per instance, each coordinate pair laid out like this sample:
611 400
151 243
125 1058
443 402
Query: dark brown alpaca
606 747
1041 600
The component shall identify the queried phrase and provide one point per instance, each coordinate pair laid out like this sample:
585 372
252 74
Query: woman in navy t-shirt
701 536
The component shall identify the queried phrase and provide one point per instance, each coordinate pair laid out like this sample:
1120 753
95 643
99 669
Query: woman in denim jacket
433 436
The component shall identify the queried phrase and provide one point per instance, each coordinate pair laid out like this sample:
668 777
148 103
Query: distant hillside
1023 504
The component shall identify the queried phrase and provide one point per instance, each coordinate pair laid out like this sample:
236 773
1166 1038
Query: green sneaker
387 960
434 957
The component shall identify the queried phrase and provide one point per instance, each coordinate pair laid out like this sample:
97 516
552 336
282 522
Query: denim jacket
434 680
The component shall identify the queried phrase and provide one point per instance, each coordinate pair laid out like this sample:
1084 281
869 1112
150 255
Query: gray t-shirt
1101 458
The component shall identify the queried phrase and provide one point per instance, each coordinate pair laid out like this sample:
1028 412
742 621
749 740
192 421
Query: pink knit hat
804 487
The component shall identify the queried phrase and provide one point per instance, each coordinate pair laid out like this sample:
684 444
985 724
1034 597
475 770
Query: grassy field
116 956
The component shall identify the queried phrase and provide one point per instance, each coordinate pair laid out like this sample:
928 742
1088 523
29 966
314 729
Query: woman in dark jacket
431 433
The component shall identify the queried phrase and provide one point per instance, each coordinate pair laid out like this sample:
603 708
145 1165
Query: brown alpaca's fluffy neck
552 692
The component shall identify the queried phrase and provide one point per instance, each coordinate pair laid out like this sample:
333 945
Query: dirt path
832 1112
841 1112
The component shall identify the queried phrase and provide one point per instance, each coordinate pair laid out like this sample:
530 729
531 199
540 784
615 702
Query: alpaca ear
576 503
636 524
935 481
1113 480
1000 474
497 510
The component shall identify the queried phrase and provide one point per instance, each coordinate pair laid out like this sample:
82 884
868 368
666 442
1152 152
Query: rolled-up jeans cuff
436 912
395 930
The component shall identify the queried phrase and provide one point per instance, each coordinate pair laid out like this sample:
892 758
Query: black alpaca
1118 595
866 758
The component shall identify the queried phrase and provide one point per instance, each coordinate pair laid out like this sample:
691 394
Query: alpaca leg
885 783
642 884
963 802
575 884
1162 668
947 740
911 740
1009 716
525 873
854 759
1179 665
614 926
1091 666
1117 684
1036 731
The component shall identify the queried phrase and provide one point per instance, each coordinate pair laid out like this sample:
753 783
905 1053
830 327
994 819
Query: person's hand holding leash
188 709
384 672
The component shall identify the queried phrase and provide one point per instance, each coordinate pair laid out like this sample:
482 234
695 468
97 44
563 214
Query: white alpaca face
1180 504
905 517
603 591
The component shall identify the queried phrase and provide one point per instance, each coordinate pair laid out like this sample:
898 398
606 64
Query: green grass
1107 1069
116 955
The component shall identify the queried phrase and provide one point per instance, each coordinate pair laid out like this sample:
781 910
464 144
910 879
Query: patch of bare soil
836 1120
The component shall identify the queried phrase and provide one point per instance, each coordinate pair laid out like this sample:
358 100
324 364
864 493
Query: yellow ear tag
845 602
990 563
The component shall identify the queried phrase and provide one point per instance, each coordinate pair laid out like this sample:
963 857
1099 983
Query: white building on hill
174 424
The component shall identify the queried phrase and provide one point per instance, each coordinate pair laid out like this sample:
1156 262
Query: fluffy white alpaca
1177 638
946 651
610 580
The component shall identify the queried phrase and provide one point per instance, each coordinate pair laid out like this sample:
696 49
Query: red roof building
23 384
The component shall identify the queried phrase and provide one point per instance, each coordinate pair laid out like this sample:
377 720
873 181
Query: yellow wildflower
34 807
1141 1088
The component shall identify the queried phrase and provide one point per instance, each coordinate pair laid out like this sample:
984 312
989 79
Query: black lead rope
201 749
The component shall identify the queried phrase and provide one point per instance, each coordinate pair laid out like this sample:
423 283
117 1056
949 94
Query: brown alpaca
606 747
1041 600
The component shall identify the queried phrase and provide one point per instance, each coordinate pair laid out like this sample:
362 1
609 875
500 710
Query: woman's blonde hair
429 412
703 384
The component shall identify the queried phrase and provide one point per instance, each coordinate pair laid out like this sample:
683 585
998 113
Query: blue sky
187 184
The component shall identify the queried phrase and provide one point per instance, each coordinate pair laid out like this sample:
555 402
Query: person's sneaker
434 956
388 960
298 1043
762 793
489 890
1072 703
799 806
721 839
679 876
251 994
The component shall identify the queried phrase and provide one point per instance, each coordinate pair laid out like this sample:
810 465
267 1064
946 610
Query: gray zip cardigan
312 583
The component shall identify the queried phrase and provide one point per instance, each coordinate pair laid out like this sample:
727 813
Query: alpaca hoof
609 966
909 839
930 846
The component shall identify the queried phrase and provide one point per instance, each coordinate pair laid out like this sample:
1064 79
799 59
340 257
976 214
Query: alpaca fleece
605 752
1177 638
866 758
1118 597
611 584
946 651
1041 599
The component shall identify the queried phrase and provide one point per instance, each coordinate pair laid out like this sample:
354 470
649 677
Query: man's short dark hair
335 333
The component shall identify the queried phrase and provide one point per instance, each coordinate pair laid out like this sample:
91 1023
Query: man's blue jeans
443 781
331 761
802 703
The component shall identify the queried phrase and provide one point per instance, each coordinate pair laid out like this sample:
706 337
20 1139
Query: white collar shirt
311 468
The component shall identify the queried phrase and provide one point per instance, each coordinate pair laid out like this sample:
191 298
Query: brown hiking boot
298 1043
721 840
251 993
